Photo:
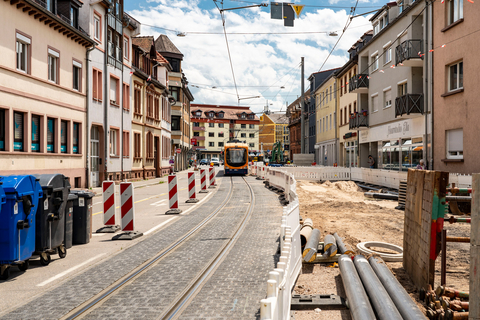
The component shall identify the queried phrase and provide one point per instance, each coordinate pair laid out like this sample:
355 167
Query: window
156 100
198 113
251 126
18 131
251 116
211 125
149 145
114 91
387 98
126 144
243 126
126 47
341 116
375 62
74 17
53 57
137 101
402 89
454 143
63 136
220 144
221 125
35 133
211 134
331 91
251 145
196 134
97 82
76 138
376 28
387 56
326 97
220 115
220 135
23 53
455 10
97 27
174 91
400 7
50 135
330 121
251 135
455 77
175 123
243 116
375 103
136 145
77 75
341 86
243 135
2 129
126 97
113 142
211 144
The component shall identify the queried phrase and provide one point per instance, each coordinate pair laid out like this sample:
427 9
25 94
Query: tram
236 158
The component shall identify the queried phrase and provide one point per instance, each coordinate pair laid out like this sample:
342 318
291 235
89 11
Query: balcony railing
409 103
198 128
359 81
409 49
199 138
358 121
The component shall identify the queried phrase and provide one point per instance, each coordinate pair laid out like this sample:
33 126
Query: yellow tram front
236 158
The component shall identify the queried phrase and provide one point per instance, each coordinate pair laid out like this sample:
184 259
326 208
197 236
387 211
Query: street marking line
204 199
99 234
58 276
160 225
158 202
158 195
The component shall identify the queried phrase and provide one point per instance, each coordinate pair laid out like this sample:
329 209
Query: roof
164 45
230 112
278 118
143 42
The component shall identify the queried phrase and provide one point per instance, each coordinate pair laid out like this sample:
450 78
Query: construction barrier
211 171
282 279
127 210
192 198
173 195
108 203
203 181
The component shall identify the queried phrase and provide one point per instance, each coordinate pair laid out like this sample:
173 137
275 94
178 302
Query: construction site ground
343 208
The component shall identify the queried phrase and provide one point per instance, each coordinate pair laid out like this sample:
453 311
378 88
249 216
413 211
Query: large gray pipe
310 251
330 246
357 299
342 248
383 305
405 305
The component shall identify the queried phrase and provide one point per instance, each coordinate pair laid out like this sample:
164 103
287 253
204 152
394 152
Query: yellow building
326 143
274 128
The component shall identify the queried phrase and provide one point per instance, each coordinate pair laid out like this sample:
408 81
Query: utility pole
302 107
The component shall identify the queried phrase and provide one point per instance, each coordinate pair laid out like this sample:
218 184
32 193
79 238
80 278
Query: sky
266 58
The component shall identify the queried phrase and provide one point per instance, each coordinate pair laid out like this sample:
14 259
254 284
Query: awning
418 148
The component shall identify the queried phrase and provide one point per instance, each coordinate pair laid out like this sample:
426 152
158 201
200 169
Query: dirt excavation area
342 207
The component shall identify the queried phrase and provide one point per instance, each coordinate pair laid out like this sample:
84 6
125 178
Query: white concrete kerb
282 265
271 289
266 309
273 275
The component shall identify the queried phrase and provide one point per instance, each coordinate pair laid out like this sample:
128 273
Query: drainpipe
121 123
430 85
87 104
426 72
105 102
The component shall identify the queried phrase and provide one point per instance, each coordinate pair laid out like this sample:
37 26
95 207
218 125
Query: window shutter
455 140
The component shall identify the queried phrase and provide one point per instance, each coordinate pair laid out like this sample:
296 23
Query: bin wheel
45 259
62 252
5 274
24 266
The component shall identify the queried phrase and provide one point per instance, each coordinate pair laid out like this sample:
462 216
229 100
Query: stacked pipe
447 303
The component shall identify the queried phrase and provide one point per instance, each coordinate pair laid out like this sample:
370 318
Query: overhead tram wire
313 6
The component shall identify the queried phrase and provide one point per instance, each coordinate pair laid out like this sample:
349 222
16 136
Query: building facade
43 88
392 100
214 125
273 128
180 110
294 125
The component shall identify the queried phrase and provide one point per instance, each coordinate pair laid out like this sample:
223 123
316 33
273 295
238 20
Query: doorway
95 156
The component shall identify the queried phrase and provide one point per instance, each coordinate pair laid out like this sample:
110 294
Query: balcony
409 103
199 148
358 121
199 138
410 53
198 128
358 83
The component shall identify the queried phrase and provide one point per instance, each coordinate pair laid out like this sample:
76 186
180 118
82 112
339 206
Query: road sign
179 150
193 141
298 9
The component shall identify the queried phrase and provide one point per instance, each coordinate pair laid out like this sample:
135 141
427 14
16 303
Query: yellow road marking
158 195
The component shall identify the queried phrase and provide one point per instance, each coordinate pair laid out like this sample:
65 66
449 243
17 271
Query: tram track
182 299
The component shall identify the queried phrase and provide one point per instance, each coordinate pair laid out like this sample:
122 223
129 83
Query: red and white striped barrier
173 195
191 188
127 210
211 171
108 188
203 181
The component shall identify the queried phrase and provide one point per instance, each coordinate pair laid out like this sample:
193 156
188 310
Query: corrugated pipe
358 303
383 305
405 305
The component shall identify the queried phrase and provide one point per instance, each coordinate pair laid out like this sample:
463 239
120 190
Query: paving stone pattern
62 299
148 296
238 285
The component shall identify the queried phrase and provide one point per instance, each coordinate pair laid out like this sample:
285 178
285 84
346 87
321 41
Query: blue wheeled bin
50 224
17 221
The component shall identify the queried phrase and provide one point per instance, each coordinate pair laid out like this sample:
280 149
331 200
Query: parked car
215 162
204 162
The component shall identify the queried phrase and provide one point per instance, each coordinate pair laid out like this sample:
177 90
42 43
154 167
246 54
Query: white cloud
258 59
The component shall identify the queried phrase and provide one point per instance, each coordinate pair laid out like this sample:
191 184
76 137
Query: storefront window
351 154
401 154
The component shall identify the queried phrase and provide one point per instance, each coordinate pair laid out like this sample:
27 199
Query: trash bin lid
83 193
19 186
72 197
55 181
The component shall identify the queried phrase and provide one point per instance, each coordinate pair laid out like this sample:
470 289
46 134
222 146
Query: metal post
302 107
443 271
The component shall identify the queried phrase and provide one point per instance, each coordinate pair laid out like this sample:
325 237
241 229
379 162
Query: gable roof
278 118
143 42
166 47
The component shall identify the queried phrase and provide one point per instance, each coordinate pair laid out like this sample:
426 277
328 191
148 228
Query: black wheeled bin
69 220
82 216
50 224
